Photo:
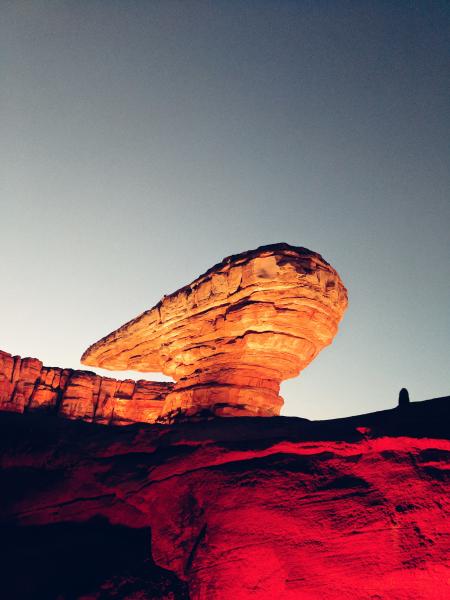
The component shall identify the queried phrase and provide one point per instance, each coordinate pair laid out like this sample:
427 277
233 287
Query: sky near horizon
142 142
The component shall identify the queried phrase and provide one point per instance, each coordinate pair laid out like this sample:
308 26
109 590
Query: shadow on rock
90 560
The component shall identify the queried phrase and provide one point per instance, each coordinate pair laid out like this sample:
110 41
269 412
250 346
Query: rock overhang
233 334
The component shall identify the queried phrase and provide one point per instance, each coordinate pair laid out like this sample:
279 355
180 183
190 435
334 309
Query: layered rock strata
230 337
26 386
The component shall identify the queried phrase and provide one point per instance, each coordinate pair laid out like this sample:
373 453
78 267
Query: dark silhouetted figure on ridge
403 398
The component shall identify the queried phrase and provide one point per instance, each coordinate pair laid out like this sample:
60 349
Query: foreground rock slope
231 336
228 509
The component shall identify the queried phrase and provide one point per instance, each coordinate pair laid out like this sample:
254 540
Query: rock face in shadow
27 386
230 337
238 509
105 560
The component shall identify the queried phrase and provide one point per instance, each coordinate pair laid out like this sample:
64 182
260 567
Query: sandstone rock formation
26 385
230 337
232 509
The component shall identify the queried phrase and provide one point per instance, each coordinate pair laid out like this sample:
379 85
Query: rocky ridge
26 385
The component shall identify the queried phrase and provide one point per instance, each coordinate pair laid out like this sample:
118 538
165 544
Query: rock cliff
230 337
228 509
26 386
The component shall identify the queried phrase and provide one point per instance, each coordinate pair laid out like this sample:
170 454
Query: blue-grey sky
141 142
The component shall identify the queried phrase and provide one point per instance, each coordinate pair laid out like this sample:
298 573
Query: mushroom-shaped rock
230 337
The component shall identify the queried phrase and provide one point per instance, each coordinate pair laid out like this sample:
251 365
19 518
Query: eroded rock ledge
27 386
230 337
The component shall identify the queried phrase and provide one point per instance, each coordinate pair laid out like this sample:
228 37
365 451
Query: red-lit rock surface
230 337
258 509
26 385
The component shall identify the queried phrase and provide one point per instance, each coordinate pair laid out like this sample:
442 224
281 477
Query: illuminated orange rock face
27 386
230 337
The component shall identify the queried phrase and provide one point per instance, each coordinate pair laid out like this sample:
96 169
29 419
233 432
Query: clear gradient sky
142 142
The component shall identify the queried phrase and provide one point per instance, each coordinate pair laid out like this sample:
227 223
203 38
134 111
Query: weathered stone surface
26 385
230 337
239 509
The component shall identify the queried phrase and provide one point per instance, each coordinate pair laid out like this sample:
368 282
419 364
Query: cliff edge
226 509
